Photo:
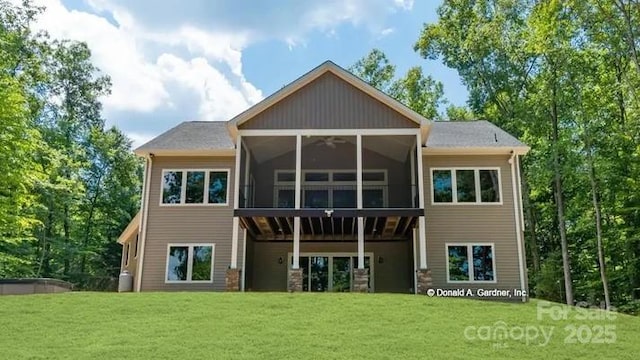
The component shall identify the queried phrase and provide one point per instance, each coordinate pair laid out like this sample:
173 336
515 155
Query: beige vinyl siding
472 224
394 274
328 103
187 224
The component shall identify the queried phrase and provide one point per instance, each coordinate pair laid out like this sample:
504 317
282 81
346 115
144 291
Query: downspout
244 259
145 215
521 194
415 264
516 216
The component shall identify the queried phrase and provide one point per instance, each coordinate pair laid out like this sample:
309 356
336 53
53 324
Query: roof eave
193 152
131 229
475 150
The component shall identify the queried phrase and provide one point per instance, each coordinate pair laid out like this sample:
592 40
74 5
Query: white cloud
387 31
218 98
167 58
143 84
261 19
138 139
404 4
136 84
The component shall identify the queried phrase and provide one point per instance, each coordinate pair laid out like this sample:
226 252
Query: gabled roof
217 138
327 66
479 134
204 137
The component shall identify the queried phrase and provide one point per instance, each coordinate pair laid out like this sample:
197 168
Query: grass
295 326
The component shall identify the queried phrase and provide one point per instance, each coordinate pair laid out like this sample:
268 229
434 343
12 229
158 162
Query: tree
18 140
69 185
415 90
459 113
562 76
420 93
375 69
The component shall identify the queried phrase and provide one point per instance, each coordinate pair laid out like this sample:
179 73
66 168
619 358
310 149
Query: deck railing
329 196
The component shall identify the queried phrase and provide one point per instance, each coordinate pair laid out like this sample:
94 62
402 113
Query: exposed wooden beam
407 225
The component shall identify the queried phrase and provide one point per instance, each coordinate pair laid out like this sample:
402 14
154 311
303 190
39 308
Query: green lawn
302 326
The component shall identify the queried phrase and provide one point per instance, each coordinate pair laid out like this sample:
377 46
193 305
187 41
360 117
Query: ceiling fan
331 141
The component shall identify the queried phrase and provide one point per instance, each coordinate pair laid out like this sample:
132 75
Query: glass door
331 272
341 277
304 265
319 273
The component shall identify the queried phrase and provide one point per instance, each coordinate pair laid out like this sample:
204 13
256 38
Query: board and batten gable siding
187 224
328 102
483 223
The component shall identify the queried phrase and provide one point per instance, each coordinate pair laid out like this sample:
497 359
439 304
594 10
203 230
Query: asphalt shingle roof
480 133
192 135
213 135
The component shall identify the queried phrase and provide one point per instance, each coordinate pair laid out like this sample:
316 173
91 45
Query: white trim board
469 150
329 132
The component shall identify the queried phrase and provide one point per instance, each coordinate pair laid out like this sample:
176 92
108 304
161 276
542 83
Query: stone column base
295 280
232 280
361 280
424 281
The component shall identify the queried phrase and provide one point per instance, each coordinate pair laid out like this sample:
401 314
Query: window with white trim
470 263
331 188
195 186
466 186
190 263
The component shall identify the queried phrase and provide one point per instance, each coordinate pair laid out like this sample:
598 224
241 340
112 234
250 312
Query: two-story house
329 185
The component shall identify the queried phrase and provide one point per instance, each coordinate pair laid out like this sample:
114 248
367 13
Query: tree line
562 76
68 184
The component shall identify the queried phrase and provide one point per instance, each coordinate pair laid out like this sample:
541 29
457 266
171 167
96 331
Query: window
172 187
135 248
195 187
466 186
489 186
218 187
479 269
125 253
190 263
331 188
442 191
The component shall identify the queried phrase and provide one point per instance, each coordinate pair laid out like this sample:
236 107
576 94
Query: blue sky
173 60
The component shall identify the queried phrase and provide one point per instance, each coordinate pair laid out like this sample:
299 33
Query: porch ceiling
380 224
265 148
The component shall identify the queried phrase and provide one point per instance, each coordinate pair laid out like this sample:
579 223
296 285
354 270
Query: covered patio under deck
333 189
